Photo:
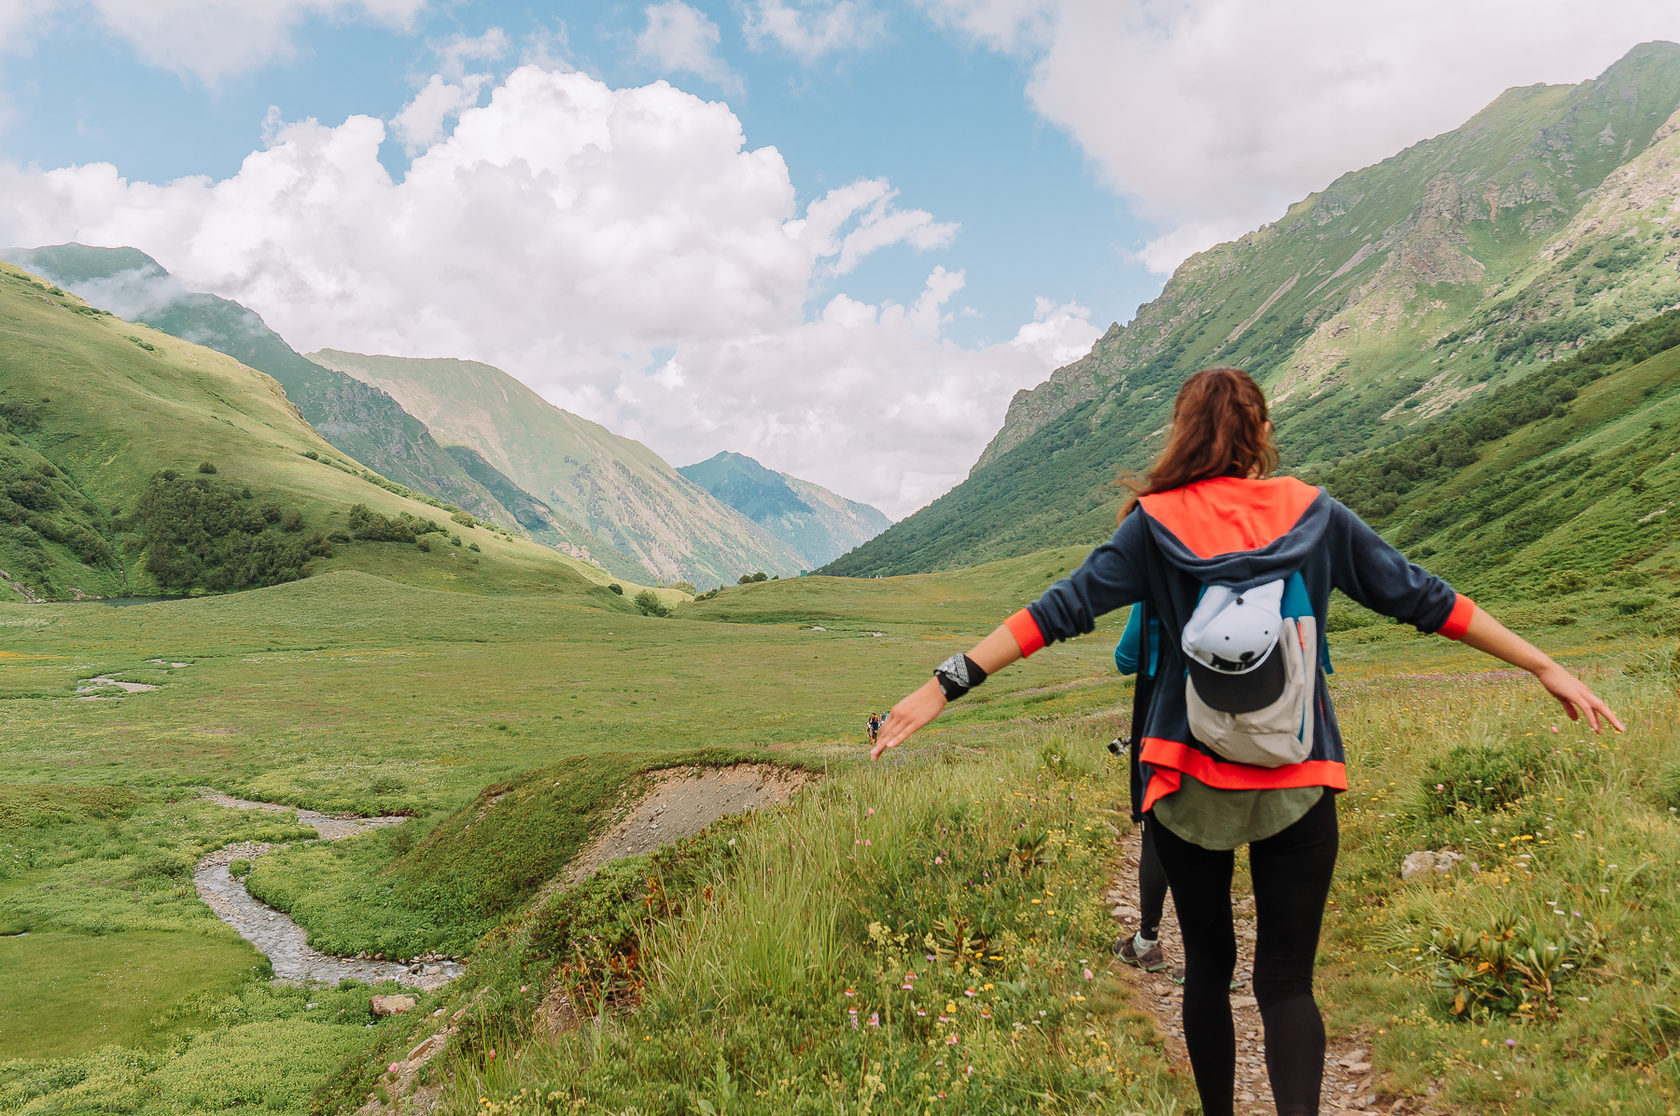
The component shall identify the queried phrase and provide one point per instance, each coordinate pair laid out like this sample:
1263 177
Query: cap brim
1240 693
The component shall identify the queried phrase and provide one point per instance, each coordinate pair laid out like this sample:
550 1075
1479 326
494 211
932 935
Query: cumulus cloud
679 39
809 29
621 250
422 121
213 39
1214 115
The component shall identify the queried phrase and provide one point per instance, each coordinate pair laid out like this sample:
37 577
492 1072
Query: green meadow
924 934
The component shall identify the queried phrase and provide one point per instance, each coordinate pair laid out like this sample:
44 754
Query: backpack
1251 671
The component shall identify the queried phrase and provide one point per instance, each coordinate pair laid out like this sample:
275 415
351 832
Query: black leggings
1291 873
1152 886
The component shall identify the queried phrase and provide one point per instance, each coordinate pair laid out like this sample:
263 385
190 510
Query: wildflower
950 1005
874 1019
394 1067
1087 974
850 992
939 860
492 1053
1513 1042
1554 729
985 1014
969 992
967 1070
871 812
1440 786
944 1018
524 987
907 986
951 1040
865 842
919 1011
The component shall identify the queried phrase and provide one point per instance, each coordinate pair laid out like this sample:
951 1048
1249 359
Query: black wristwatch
958 675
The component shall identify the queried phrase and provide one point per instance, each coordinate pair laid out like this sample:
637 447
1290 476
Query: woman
1142 949
1209 511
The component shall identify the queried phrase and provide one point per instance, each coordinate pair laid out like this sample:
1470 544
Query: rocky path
1349 1082
275 934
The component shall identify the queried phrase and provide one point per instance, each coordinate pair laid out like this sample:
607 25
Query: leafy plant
1510 967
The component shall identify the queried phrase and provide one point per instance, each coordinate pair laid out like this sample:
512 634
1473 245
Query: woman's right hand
1576 697
916 709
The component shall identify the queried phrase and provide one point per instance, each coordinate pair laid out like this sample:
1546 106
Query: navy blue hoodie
1241 532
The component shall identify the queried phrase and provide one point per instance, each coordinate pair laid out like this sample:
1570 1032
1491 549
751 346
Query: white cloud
621 250
680 40
454 54
809 29
421 122
1214 115
213 39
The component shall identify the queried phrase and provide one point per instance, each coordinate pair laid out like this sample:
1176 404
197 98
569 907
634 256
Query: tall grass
927 934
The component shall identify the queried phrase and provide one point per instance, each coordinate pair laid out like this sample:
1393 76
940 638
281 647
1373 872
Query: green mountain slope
135 462
820 525
616 487
359 420
1394 295
1562 480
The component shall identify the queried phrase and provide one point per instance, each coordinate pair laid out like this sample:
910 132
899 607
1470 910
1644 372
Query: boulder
1424 862
391 1005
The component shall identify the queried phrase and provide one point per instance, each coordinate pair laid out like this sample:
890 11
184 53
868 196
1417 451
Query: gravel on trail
276 935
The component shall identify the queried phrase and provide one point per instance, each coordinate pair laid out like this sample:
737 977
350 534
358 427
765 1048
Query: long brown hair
1220 428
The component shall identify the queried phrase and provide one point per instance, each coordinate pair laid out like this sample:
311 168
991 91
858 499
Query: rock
433 970
391 1005
1423 862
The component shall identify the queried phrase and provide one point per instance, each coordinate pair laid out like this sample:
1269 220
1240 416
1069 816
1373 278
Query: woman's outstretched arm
1489 635
925 702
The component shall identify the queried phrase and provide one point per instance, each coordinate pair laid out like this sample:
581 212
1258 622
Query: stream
275 934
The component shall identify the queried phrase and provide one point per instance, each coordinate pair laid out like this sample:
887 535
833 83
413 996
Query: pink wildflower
874 1019
951 1040
1087 974
394 1067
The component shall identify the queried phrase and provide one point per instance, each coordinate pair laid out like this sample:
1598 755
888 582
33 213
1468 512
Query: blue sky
915 103
839 239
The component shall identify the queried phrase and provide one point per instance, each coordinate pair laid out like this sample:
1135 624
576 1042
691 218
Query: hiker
1142 949
874 727
1238 566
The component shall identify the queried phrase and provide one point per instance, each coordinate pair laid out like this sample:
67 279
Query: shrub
206 467
748 579
464 519
616 588
685 587
650 604
239 869
1507 968
370 526
197 534
1481 776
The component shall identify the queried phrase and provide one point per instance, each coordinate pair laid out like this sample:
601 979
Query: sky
835 235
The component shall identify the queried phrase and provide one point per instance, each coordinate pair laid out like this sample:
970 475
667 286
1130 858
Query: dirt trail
275 934
682 802
1350 1086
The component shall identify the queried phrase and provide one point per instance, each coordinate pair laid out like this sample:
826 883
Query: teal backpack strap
1296 602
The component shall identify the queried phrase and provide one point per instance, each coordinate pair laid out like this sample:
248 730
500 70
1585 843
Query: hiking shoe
1151 960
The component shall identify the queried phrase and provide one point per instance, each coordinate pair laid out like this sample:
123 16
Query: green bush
197 534
1480 776
239 869
1510 967
206 467
616 588
650 604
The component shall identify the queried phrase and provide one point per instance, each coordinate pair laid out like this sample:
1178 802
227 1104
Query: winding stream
275 934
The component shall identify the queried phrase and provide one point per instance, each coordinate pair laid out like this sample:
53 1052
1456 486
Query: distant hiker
874 727
1238 566
1137 653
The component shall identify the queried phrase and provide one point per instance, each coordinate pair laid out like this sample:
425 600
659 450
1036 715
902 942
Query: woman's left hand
915 710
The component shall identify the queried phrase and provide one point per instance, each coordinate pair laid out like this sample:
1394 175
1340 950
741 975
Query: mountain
1393 296
614 486
355 418
817 523
133 462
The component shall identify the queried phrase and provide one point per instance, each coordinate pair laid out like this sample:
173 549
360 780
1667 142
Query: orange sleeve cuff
1025 630
1458 620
